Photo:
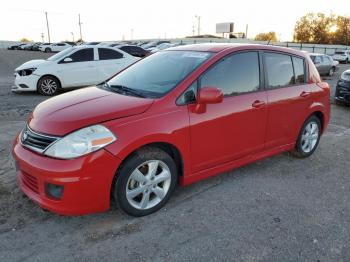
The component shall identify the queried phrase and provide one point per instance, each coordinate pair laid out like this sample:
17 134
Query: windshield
61 54
340 53
161 72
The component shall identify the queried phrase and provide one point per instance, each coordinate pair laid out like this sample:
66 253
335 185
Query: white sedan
58 47
74 67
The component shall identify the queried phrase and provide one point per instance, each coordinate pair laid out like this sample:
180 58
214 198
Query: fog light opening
54 191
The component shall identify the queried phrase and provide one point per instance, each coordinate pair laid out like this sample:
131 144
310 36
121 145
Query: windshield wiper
125 90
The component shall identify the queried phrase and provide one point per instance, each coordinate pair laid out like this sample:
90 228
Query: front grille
35 141
30 182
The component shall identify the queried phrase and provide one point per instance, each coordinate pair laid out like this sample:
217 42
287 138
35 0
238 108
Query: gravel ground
278 209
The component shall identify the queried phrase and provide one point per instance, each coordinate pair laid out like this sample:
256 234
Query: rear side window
299 70
107 54
279 70
235 74
83 55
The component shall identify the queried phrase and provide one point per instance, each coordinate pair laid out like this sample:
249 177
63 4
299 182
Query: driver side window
83 55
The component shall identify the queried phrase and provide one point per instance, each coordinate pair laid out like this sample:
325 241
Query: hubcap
148 184
48 86
309 137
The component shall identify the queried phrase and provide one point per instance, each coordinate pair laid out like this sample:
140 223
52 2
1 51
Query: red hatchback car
179 115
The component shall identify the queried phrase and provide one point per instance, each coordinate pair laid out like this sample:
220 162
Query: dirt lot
278 209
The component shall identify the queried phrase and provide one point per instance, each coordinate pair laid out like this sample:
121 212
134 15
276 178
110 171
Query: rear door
112 61
288 97
81 71
235 127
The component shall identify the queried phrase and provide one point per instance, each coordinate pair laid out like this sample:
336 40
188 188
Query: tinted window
236 74
83 55
106 54
279 70
299 70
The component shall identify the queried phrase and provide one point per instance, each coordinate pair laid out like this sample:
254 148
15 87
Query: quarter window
299 70
83 55
279 70
107 54
235 74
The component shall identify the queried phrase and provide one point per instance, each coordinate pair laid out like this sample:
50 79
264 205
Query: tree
25 40
319 28
270 36
342 30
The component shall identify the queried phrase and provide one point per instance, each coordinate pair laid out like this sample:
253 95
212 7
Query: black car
342 91
134 50
15 47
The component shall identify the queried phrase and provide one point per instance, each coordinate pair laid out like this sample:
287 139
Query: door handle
305 94
258 104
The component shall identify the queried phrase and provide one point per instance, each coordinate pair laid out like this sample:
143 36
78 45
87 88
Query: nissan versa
179 115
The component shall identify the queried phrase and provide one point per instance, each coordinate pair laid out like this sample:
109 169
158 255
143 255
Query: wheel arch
169 148
59 81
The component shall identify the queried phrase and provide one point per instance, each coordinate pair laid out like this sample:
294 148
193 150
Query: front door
81 71
236 127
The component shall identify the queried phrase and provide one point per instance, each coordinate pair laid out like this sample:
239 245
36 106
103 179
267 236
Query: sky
107 20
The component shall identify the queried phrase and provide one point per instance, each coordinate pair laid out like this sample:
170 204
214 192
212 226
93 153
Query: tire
47 50
308 135
331 71
136 190
48 86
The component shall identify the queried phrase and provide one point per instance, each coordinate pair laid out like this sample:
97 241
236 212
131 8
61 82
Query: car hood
77 109
33 63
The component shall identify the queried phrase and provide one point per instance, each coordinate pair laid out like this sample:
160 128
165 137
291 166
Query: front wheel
331 71
145 182
308 138
47 50
48 86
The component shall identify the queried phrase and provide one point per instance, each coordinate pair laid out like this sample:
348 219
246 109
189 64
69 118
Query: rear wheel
145 182
47 50
331 71
308 138
48 86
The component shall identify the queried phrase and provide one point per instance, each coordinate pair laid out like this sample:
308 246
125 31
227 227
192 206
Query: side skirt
187 180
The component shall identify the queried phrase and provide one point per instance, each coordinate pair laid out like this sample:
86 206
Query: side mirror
68 60
210 95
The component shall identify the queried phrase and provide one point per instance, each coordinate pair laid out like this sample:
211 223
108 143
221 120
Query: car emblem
25 135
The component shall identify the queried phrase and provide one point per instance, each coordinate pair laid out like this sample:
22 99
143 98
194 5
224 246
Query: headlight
345 76
26 72
81 142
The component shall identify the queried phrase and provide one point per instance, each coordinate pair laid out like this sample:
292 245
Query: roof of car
218 47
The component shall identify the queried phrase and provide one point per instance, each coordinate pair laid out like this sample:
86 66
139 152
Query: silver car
324 64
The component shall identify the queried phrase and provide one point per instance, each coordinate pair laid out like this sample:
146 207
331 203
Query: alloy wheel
48 86
148 184
309 137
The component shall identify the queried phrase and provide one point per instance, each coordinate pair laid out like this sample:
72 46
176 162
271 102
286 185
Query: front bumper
87 180
26 83
342 91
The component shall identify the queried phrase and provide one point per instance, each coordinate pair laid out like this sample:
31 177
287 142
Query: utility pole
193 31
246 31
198 24
132 34
80 23
72 35
42 37
48 29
